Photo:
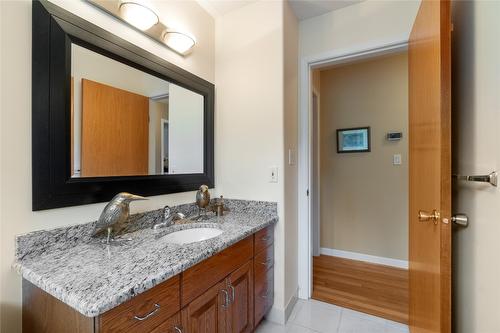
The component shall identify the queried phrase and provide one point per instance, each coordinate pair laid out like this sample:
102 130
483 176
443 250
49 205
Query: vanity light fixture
138 14
179 41
141 15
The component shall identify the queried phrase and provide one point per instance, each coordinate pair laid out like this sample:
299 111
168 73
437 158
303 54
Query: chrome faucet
168 218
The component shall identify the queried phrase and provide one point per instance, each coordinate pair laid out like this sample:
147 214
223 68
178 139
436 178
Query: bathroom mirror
108 116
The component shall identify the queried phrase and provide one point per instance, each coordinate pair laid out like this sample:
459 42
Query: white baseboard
365 257
291 304
280 316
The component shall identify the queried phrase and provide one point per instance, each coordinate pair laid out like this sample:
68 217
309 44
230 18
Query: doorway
360 153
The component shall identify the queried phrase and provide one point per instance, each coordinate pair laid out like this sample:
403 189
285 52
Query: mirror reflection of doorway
164 145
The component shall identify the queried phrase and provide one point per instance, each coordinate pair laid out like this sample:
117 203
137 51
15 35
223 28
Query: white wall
185 131
15 120
249 132
364 25
291 46
290 118
476 123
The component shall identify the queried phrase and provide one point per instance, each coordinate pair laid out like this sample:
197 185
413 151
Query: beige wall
364 197
290 118
15 120
476 120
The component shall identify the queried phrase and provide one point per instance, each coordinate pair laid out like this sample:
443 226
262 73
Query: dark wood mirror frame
53 32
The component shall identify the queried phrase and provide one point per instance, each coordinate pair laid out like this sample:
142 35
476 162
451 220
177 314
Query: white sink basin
191 235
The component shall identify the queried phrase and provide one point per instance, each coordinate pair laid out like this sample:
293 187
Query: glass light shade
139 15
179 41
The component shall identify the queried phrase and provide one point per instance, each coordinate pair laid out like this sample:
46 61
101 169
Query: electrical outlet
396 159
273 174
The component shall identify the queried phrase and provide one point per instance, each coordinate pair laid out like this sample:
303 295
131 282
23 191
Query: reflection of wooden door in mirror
114 131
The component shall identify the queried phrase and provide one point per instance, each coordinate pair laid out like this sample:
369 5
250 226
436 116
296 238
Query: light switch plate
273 174
396 159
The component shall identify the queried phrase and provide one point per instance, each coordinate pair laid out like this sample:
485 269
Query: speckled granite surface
93 277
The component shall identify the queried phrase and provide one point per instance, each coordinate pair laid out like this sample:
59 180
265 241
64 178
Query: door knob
424 216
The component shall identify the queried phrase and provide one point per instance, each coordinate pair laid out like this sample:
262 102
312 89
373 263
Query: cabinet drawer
264 260
264 294
145 311
264 238
207 273
171 325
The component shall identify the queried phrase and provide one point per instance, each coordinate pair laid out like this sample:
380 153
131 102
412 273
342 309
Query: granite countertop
93 277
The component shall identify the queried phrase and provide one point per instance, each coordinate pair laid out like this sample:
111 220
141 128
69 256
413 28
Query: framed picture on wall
353 140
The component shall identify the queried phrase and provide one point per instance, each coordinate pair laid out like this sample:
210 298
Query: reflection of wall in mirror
185 131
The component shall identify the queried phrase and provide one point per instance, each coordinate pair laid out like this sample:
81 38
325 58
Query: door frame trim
306 65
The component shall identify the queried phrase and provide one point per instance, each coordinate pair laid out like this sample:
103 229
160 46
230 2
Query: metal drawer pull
267 262
266 238
157 308
226 299
492 178
177 329
266 295
232 293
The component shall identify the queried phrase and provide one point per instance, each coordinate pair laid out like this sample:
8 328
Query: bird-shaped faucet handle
115 215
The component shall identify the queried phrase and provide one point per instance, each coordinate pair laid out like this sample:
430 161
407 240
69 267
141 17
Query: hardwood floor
375 289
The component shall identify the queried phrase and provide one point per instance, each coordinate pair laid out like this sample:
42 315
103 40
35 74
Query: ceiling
221 7
303 9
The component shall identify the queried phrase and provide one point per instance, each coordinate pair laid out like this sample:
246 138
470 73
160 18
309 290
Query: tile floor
313 316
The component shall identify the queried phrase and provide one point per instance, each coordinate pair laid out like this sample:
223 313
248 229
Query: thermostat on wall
394 136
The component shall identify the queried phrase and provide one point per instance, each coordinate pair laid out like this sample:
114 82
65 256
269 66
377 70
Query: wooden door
208 313
240 284
115 126
429 62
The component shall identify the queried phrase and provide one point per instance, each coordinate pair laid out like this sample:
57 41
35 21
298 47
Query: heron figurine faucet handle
114 216
202 199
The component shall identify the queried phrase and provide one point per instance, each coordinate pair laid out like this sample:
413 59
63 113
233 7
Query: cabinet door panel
241 288
208 312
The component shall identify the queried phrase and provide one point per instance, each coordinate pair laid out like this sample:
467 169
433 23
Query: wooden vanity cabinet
229 292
